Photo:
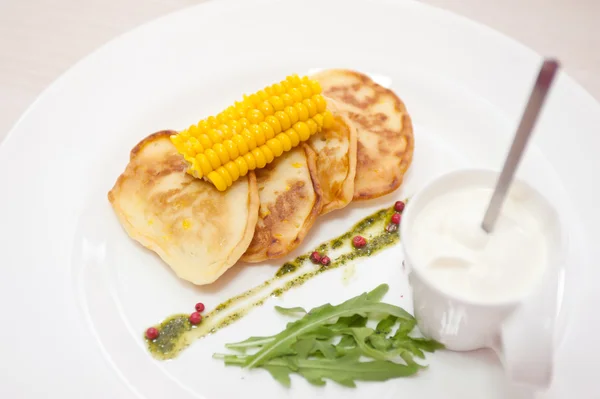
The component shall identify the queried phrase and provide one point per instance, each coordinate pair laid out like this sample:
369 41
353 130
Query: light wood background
40 39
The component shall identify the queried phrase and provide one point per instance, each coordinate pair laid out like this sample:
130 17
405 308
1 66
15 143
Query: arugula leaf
385 325
305 346
251 342
281 374
379 342
365 303
406 326
351 321
290 311
345 370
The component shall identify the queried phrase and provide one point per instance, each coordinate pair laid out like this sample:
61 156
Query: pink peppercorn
396 218
359 241
199 307
399 206
152 333
325 261
315 257
195 318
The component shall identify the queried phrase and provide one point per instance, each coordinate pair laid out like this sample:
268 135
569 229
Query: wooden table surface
40 39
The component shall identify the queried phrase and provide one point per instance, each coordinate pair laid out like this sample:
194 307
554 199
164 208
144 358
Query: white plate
77 293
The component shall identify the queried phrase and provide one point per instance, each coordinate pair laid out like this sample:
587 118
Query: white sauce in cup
460 258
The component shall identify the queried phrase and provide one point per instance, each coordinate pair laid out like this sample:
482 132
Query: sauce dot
199 307
152 333
195 318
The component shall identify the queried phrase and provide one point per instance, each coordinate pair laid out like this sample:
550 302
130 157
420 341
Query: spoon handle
532 110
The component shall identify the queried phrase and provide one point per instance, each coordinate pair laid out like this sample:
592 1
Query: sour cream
459 258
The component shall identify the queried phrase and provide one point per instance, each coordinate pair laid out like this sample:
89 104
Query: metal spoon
532 110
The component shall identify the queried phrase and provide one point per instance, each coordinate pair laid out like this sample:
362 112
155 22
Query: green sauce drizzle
177 333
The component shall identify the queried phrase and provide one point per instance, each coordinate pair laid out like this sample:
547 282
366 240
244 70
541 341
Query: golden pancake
385 134
289 204
336 159
198 231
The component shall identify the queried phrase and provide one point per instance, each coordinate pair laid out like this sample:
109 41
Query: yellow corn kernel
223 173
249 139
312 125
305 90
268 130
285 141
235 126
255 116
262 94
221 153
259 135
216 136
293 136
226 130
213 158
242 166
277 103
203 126
283 119
302 111
303 131
212 121
233 170
222 118
278 89
205 141
274 122
269 156
231 148
296 95
294 79
288 100
319 119
244 122
275 146
320 103
241 144
292 114
315 87
311 106
217 181
259 158
204 164
250 161
266 108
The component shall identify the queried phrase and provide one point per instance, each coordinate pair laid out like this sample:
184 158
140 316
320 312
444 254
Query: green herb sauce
177 333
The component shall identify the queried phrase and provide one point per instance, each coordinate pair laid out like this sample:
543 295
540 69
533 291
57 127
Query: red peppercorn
325 261
399 206
396 218
199 307
359 241
152 333
195 318
315 257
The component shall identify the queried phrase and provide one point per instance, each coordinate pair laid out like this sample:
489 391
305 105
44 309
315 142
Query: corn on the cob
252 133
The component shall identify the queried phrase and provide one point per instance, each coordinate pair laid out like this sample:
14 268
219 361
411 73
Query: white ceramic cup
520 331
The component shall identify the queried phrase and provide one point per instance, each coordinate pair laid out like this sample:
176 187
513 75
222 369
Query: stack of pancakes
201 232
